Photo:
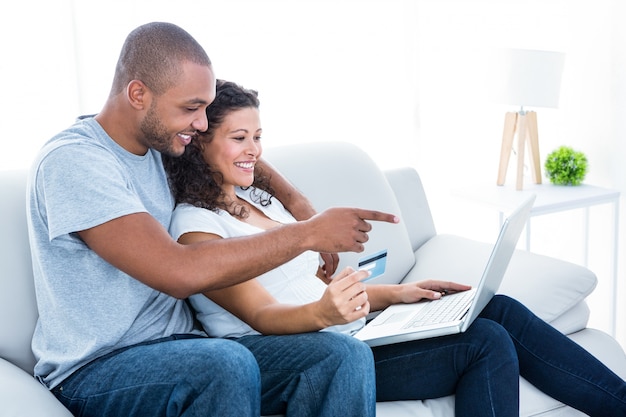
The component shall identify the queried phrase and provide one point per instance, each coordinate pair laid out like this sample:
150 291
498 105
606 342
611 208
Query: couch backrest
18 308
332 174
338 174
411 197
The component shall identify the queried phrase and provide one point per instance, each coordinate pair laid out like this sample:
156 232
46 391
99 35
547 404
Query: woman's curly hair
192 180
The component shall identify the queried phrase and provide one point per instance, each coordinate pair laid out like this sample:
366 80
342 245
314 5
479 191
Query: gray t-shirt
87 307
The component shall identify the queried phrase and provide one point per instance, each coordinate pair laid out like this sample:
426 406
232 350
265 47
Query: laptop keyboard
447 308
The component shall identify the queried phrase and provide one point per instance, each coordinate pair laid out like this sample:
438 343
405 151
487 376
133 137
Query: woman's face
236 147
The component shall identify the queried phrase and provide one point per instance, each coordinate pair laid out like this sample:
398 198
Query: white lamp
532 78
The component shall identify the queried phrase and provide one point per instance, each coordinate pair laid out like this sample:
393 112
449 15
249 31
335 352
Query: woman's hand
383 295
430 289
345 299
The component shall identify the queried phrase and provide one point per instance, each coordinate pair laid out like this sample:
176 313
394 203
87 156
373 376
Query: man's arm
343 301
301 209
138 245
293 200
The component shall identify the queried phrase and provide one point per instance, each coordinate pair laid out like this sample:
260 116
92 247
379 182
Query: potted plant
565 166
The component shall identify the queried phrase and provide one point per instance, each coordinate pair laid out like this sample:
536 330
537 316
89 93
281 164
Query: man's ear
138 95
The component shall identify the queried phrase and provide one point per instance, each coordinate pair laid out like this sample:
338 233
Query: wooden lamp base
525 125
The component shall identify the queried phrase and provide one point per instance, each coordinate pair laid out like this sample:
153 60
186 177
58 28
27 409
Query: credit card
375 263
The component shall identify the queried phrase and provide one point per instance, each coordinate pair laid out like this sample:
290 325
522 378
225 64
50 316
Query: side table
552 199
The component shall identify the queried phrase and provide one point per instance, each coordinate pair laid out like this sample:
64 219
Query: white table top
550 198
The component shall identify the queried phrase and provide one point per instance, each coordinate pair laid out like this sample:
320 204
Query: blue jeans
176 376
308 374
482 367
314 375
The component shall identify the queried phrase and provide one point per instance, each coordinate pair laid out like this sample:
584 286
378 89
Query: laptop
452 313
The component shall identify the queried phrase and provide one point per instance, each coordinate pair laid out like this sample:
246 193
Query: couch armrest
22 395
573 320
549 287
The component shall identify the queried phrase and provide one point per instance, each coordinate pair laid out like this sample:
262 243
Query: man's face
176 116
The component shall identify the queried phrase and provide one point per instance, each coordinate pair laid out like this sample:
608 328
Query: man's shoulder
81 142
85 130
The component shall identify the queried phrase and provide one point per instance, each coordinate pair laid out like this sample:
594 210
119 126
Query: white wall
406 79
461 130
37 73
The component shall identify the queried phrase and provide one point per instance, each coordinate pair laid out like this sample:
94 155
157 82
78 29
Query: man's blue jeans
482 367
302 375
177 376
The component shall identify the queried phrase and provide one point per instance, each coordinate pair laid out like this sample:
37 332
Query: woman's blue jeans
301 375
320 374
482 367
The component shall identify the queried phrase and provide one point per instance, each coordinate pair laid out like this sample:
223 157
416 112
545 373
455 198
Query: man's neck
121 125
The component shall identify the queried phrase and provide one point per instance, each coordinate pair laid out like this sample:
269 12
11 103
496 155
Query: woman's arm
339 304
343 301
381 296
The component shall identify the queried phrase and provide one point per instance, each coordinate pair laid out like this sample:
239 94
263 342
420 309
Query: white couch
332 174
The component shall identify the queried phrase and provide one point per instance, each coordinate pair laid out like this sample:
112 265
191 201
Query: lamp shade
530 77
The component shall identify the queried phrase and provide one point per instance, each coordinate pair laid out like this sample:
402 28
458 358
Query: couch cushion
22 396
562 284
18 309
338 174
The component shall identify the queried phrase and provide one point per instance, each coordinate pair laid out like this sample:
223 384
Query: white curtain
405 79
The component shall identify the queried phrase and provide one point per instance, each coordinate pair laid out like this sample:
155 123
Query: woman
221 195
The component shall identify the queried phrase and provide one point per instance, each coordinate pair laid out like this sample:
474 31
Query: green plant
566 166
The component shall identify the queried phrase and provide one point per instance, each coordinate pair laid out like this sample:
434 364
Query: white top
294 282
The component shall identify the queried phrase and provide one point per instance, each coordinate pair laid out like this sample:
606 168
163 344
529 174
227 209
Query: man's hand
330 262
343 229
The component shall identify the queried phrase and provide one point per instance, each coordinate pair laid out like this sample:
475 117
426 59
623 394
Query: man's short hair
153 53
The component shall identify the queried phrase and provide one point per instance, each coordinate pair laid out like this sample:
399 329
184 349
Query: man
115 336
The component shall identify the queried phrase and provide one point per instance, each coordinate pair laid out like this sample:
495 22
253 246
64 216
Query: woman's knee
486 331
345 345
345 342
502 308
345 351
491 339
230 356
219 359
222 378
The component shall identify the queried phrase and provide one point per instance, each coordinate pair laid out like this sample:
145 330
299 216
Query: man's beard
155 134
